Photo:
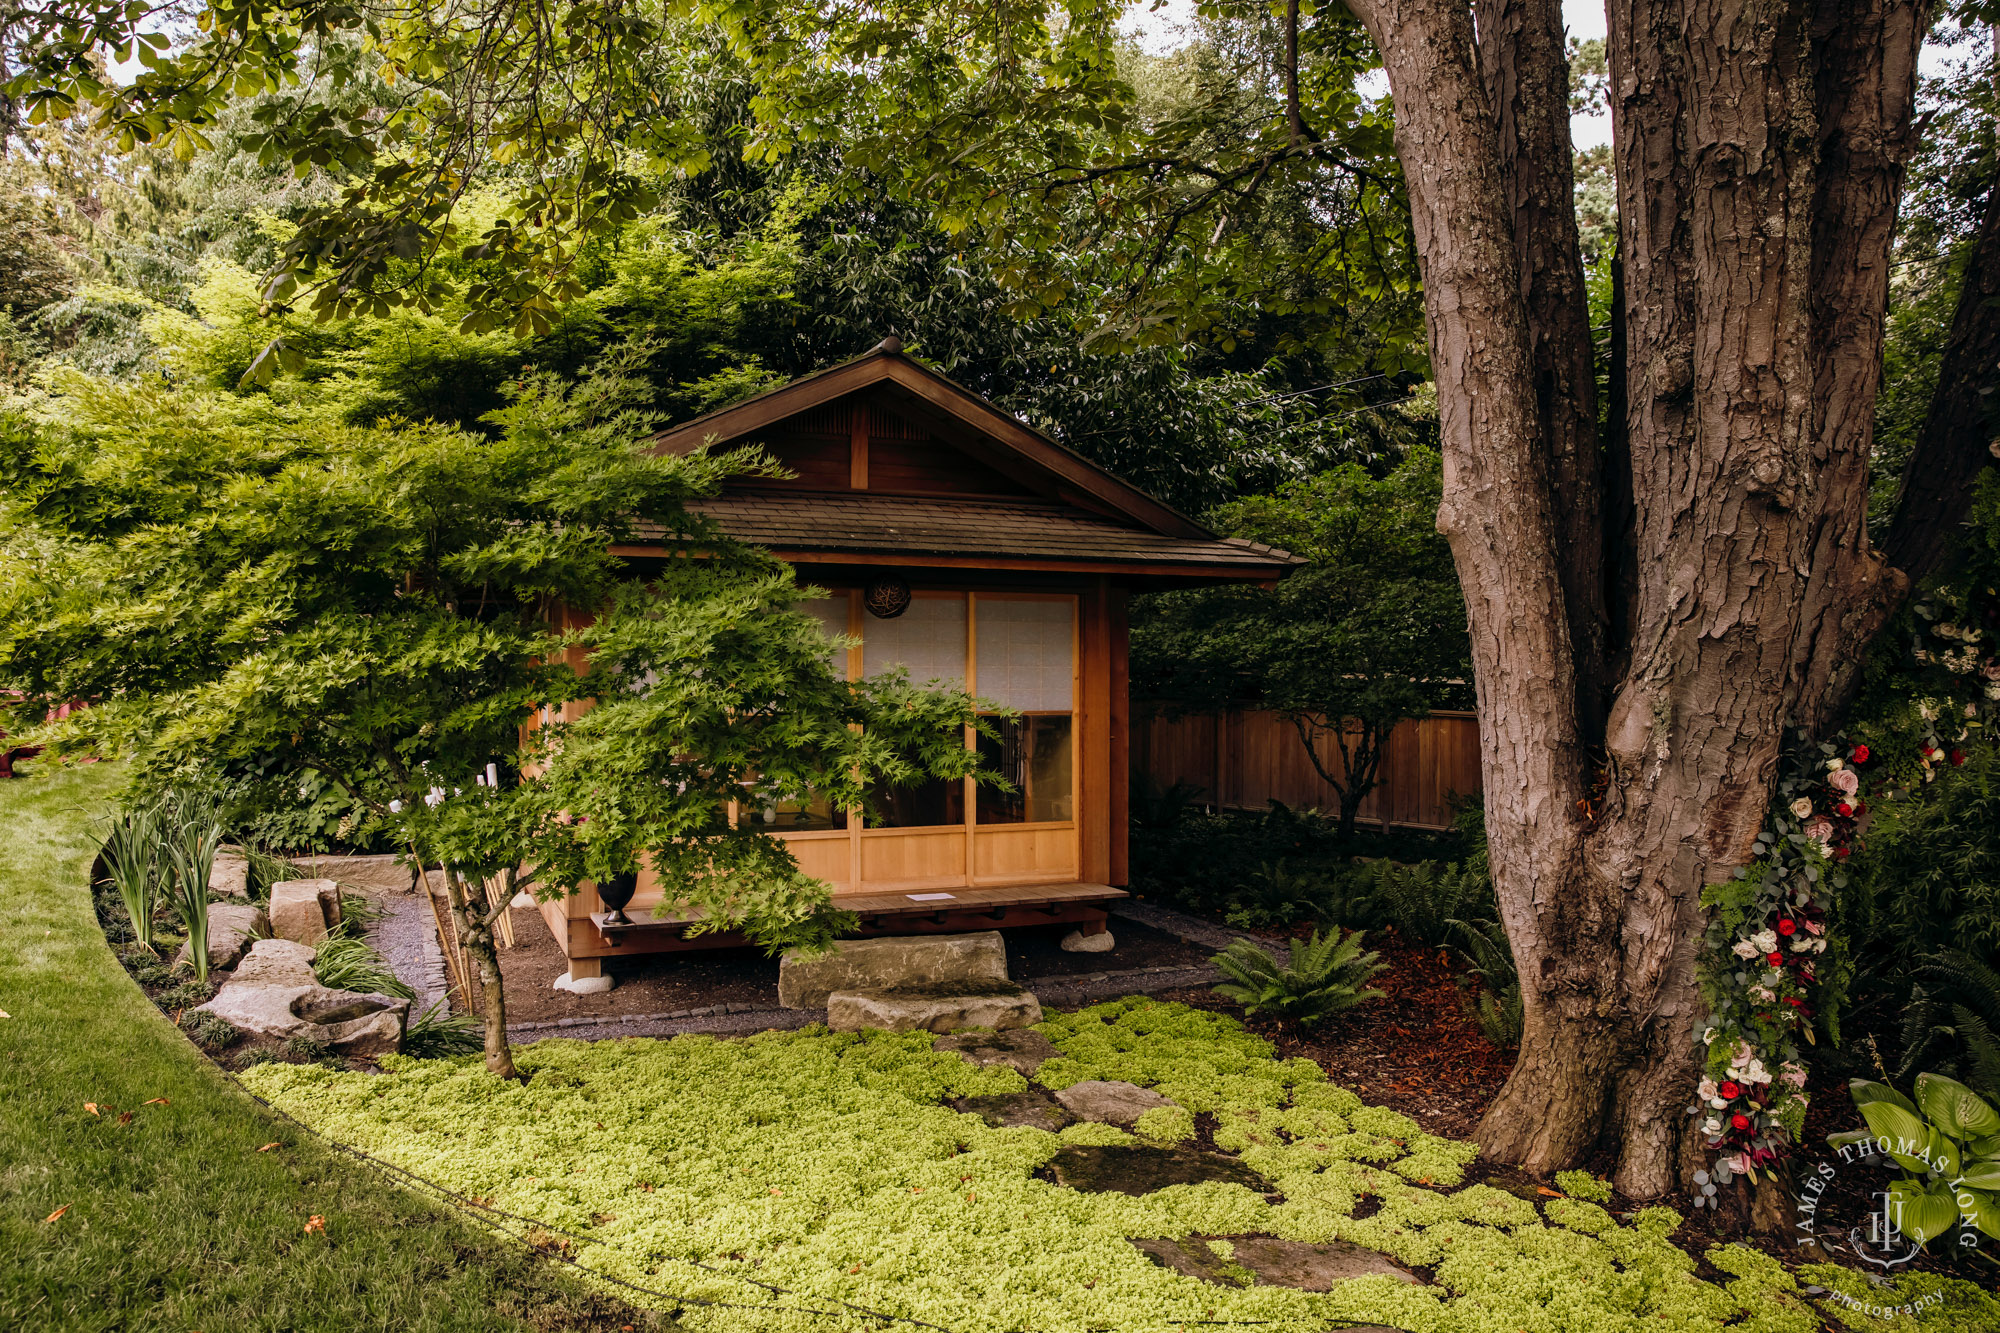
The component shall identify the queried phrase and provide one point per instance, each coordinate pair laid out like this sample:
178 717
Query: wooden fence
1248 758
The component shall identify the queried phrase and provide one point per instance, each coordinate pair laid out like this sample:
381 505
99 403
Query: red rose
1957 758
1729 1090
1860 754
1795 1002
1843 810
1775 959
1840 853
1788 927
1740 1121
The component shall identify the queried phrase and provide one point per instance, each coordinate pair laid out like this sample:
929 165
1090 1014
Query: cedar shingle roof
914 526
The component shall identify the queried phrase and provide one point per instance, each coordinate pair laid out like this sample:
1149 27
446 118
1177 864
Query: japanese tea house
967 547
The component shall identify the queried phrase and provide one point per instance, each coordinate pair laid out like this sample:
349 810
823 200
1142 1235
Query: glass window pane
928 640
1034 754
1025 653
937 801
831 613
772 815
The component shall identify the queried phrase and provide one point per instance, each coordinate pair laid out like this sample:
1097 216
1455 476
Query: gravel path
406 937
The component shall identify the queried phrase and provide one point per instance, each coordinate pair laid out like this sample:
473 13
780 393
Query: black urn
614 891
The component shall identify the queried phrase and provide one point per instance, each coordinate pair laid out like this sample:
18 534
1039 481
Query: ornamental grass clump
1325 975
132 859
192 834
347 962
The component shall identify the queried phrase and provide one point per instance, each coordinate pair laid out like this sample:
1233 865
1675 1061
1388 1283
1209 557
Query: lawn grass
175 1219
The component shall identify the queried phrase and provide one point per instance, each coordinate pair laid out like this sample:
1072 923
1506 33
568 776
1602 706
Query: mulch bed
700 978
1417 1050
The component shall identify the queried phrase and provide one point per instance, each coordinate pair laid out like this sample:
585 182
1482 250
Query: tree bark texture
1759 153
475 934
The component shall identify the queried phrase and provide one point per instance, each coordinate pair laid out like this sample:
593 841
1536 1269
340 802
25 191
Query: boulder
1110 1103
231 929
932 1009
373 875
274 993
231 874
276 963
1078 942
304 909
1022 1048
892 962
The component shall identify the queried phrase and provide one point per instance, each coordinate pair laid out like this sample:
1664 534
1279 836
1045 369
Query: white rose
1754 1072
1834 765
1706 1088
1802 807
1765 940
1743 949
1711 1126
1763 995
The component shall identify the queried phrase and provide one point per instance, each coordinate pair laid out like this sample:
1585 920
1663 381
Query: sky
1155 30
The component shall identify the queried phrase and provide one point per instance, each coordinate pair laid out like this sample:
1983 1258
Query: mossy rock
1013 1110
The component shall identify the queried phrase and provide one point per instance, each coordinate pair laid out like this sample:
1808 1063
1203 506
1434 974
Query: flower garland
1769 962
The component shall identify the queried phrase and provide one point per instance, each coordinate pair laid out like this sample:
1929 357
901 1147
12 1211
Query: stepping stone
304 909
932 1009
1021 1049
1110 1103
1313 1267
893 962
232 927
1014 1110
1136 1169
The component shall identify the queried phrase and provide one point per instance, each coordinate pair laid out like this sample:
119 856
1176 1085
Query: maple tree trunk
1759 156
476 935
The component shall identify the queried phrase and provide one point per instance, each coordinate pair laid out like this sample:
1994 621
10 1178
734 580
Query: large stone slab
1271 1262
274 993
304 909
370 874
933 1009
1137 1169
232 927
892 962
1011 1110
1020 1049
1110 1103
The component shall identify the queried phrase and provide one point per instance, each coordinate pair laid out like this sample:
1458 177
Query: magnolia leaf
1955 1108
1921 1214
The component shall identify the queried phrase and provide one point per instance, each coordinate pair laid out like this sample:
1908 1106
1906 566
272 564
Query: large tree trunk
1759 154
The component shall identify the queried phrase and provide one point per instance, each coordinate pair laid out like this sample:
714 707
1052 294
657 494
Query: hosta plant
1947 1140
1325 975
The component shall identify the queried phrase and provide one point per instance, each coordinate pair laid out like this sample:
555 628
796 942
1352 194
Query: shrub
209 1032
438 1032
1325 975
344 962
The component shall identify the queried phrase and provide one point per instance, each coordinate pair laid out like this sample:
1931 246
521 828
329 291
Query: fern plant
1324 976
1421 901
1497 1006
1959 1035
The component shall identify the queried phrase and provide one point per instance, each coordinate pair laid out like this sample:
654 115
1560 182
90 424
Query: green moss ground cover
175 1219
831 1165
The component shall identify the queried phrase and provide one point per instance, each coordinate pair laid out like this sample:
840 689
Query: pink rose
1844 782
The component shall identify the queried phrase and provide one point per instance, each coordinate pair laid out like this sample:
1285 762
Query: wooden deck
920 912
